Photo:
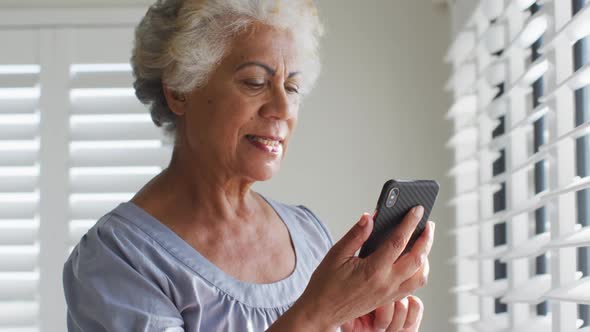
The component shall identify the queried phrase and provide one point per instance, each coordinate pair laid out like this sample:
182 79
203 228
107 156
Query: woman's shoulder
113 231
113 276
115 244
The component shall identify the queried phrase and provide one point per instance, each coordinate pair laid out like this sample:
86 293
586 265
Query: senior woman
196 249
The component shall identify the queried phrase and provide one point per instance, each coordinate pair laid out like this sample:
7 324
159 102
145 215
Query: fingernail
363 221
433 226
418 211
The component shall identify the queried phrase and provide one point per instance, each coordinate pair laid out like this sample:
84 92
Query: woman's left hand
404 315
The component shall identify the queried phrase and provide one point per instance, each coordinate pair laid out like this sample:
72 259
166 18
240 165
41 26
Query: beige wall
377 113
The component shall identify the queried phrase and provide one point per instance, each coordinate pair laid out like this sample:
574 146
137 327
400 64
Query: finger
383 316
418 280
354 239
407 265
399 315
415 309
393 246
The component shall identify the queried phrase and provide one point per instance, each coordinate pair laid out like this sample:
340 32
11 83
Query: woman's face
241 121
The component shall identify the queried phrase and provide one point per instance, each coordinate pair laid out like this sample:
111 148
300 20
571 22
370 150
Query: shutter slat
18 132
19 106
495 73
112 105
14 232
492 253
496 288
18 314
464 105
18 210
19 329
468 165
580 237
91 206
539 200
19 258
469 196
577 291
530 292
531 117
498 322
119 157
19 126
464 319
495 38
15 286
577 132
533 29
464 137
12 158
130 127
534 246
461 46
463 79
572 31
576 80
17 183
122 79
463 288
18 80
537 323
105 183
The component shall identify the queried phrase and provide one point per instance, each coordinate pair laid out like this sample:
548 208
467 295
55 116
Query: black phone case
411 193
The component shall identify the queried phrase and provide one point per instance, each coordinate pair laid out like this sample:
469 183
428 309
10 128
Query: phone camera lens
393 195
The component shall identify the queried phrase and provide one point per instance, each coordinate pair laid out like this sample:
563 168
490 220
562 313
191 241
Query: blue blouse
130 272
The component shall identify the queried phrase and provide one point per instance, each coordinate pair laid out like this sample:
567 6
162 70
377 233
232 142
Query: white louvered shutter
74 143
114 147
521 115
19 172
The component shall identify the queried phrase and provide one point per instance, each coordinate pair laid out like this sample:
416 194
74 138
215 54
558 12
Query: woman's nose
278 106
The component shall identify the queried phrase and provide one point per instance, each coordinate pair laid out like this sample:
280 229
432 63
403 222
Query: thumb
354 239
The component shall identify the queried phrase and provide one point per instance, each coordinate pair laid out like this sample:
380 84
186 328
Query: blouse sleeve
110 286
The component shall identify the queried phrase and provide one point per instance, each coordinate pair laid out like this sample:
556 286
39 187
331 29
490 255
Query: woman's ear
176 101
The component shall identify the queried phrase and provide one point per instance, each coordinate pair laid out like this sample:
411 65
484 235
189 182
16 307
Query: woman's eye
255 84
292 89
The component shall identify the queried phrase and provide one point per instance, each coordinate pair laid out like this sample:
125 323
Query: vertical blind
521 142
74 143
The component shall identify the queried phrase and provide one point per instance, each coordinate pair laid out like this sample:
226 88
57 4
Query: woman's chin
262 172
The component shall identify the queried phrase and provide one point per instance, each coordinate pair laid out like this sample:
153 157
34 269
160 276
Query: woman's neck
197 191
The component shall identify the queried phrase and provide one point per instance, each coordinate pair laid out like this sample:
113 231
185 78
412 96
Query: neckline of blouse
256 295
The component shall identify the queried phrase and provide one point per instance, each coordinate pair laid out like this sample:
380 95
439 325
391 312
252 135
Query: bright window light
19 93
110 118
116 144
101 92
82 171
100 67
16 119
19 145
19 171
19 69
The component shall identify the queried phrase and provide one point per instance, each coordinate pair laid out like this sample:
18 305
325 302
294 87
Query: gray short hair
179 42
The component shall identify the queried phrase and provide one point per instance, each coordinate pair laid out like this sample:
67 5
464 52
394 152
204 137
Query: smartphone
397 198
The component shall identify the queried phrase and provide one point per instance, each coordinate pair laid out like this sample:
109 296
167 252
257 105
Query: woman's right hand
345 287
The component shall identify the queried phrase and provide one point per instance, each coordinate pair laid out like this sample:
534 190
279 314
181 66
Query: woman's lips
268 145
